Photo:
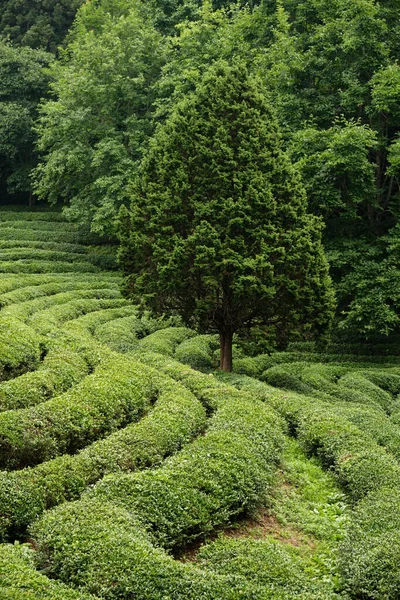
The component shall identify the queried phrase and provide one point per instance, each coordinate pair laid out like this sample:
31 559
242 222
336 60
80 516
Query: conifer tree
217 230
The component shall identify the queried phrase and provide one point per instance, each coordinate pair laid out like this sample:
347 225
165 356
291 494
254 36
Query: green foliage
336 168
60 370
370 553
284 577
20 580
107 399
24 81
20 348
217 229
173 421
197 352
166 340
43 24
219 475
94 131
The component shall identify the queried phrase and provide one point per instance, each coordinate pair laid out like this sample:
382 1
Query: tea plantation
132 470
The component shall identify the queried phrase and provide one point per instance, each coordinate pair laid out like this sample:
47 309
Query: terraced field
130 471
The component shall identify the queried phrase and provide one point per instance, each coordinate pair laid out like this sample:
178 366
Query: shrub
122 335
25 309
279 377
20 581
90 542
266 563
20 348
95 543
175 419
43 266
370 554
60 370
211 480
49 320
197 351
37 225
58 285
390 382
164 341
115 394
356 381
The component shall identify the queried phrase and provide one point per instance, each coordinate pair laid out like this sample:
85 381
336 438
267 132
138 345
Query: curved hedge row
14 212
89 543
20 581
90 322
37 225
51 319
56 286
20 348
198 352
25 309
46 266
9 283
115 394
370 555
177 416
164 341
59 371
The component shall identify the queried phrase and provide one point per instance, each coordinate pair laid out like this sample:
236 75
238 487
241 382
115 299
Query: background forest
83 88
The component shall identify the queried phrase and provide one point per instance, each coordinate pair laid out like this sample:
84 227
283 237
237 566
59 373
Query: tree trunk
225 359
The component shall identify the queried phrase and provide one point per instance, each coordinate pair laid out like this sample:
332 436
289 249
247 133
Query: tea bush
60 370
20 581
166 340
177 416
20 348
115 394
198 351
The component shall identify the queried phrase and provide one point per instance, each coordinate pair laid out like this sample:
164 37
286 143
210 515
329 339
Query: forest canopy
328 68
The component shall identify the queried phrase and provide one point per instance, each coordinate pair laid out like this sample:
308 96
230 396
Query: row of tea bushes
120 561
17 213
20 581
106 400
144 332
53 318
175 419
165 341
46 266
28 234
36 225
40 254
25 309
328 382
90 322
26 292
20 348
267 564
9 283
370 555
257 365
198 352
60 369
91 542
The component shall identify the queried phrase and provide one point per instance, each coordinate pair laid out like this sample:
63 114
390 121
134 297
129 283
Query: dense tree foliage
23 82
94 133
329 69
218 230
41 24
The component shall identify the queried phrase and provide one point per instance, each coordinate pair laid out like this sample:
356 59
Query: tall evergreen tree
217 229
